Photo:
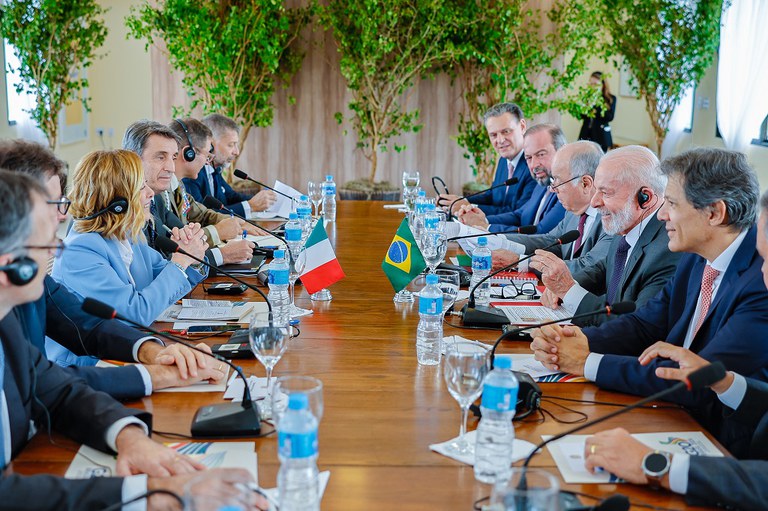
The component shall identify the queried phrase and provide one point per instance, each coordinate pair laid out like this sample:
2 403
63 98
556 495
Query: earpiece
642 198
20 271
118 206
189 152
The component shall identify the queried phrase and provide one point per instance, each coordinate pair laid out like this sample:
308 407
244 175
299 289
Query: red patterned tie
710 274
580 239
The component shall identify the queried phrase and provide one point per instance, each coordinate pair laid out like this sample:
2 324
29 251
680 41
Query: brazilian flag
403 261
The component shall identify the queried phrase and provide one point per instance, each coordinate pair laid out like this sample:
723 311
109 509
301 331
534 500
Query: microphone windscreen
614 503
511 181
706 376
239 173
98 309
622 308
569 237
527 229
166 244
212 202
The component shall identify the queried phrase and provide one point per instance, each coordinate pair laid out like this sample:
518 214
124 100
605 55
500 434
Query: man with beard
542 209
628 194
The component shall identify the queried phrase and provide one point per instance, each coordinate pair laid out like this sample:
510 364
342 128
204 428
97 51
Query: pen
245 233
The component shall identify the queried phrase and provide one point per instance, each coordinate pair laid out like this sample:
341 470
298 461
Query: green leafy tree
667 45
54 40
232 53
384 46
504 57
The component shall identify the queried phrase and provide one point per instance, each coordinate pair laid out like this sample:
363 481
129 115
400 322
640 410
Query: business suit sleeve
754 407
202 215
45 492
121 383
727 482
533 242
596 254
550 219
195 186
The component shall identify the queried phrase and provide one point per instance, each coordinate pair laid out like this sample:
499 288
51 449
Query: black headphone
20 271
118 206
642 198
189 153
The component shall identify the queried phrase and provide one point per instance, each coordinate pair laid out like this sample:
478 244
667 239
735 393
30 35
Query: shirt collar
722 261
634 235
174 182
512 164
591 212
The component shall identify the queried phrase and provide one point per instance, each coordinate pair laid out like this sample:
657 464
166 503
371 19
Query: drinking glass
287 385
315 194
540 491
213 490
434 221
449 282
411 180
464 369
298 261
433 247
269 335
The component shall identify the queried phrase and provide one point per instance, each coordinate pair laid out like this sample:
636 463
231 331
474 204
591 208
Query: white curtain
742 75
678 123
19 104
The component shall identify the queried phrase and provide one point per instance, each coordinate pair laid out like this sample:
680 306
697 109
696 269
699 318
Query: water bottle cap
298 401
304 198
279 253
482 241
502 363
293 216
432 279
329 177
422 193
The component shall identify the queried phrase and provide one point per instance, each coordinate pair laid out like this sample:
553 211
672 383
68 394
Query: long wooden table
383 410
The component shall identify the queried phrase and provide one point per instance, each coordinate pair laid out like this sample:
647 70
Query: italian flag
322 269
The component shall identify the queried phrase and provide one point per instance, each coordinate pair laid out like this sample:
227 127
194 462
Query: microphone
485 316
616 310
168 245
508 182
526 229
221 420
697 380
215 204
242 175
616 502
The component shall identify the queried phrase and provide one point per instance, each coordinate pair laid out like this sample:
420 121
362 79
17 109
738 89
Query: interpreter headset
20 271
118 206
189 152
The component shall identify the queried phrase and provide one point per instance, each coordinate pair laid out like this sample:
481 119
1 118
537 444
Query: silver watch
655 466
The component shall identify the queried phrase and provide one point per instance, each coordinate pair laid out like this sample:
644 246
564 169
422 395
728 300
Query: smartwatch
655 466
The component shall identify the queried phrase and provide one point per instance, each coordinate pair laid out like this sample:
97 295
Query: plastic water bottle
481 267
429 334
421 202
304 212
495 432
293 233
329 199
278 287
297 480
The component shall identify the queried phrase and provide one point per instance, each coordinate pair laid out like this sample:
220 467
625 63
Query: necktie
619 261
579 240
151 231
707 280
542 206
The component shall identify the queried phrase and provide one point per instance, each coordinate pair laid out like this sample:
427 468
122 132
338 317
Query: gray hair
585 158
197 131
639 166
710 175
138 133
218 124
555 133
500 109
16 204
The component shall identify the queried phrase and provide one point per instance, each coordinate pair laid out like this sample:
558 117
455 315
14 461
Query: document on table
235 388
568 452
283 206
532 314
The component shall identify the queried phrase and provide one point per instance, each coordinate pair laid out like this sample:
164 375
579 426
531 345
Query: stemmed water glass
287 385
434 245
268 334
315 194
464 369
448 282
298 261
411 180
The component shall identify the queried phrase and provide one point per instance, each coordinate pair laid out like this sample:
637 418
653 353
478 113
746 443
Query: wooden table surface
383 410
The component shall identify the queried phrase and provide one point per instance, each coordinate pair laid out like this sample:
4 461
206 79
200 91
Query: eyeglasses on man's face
555 185
62 205
54 249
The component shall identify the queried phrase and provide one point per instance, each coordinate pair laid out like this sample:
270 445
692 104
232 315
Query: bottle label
293 234
432 306
330 190
278 277
501 399
481 262
432 223
297 445
303 212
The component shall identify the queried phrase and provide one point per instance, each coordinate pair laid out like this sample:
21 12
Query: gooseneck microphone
221 420
242 175
168 245
215 204
612 310
526 229
509 182
489 316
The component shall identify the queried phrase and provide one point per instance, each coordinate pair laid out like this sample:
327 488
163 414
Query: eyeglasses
510 291
62 205
553 187
208 156
57 248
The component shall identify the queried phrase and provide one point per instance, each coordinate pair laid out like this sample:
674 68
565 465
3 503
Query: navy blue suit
552 214
59 315
200 188
506 198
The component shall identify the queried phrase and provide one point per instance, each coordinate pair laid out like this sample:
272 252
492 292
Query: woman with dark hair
595 127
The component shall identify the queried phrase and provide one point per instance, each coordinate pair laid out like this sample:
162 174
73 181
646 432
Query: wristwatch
655 466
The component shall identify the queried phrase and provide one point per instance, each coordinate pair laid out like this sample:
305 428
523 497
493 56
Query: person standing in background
595 127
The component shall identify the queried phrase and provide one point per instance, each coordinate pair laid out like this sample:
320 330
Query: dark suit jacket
58 314
164 216
594 248
647 270
75 409
199 189
551 215
504 199
733 331
595 127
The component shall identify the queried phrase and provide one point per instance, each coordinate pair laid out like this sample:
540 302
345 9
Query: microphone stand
242 175
526 229
213 203
508 182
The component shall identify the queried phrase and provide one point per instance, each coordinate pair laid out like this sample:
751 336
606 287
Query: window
686 106
16 102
